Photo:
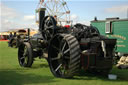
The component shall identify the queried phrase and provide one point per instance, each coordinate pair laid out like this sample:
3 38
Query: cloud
117 9
8 25
74 17
29 17
85 23
11 19
7 16
7 12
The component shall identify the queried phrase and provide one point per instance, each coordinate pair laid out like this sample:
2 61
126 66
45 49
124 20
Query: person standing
10 35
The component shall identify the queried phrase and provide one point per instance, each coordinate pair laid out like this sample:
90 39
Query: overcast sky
21 13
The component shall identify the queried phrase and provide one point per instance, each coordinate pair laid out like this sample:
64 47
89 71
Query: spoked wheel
48 27
64 56
13 42
25 55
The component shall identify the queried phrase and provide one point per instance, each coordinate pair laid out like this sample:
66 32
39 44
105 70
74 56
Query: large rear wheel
64 56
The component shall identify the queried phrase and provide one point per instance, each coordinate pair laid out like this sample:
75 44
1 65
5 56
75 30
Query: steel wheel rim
48 27
60 59
23 58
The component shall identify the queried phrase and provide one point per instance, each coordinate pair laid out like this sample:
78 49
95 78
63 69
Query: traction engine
67 49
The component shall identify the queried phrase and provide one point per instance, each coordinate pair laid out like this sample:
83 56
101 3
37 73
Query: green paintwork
119 31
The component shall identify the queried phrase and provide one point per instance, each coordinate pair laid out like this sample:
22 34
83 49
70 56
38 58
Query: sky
21 13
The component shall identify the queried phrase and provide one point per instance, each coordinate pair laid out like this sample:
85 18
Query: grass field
12 74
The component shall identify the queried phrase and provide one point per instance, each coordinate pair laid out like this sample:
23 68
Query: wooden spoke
56 58
66 51
63 46
55 47
58 67
22 58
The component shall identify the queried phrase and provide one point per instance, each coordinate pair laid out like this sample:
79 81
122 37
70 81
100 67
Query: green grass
12 74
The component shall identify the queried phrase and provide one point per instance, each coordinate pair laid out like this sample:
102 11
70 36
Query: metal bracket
103 45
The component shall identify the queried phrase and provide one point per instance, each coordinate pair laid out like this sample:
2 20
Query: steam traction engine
67 49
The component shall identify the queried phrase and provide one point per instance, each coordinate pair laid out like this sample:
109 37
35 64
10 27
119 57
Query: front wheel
25 56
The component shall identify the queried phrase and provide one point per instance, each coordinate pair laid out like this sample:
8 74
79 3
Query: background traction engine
68 50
